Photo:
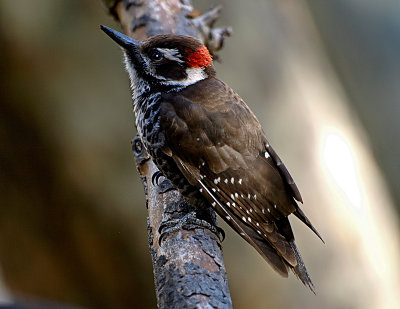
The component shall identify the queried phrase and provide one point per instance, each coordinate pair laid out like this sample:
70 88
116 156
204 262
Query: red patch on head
199 58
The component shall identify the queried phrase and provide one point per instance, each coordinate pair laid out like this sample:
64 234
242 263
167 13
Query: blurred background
323 78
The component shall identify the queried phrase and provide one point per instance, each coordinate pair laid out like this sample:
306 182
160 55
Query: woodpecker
208 143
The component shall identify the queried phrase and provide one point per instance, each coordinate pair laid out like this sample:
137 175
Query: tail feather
300 269
264 248
300 214
271 256
274 258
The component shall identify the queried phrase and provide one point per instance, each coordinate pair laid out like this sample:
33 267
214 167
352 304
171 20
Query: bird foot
189 221
163 187
156 177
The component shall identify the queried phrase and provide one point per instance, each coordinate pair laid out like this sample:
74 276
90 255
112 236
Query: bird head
167 60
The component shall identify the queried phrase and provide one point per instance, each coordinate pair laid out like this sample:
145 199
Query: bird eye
156 55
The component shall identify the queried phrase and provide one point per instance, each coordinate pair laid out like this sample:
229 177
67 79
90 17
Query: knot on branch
139 151
213 38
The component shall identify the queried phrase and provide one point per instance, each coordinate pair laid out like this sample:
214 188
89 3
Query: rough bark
189 270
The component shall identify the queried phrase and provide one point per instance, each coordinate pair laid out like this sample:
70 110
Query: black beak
123 40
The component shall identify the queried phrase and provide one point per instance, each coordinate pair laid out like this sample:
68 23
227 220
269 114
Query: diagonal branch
189 270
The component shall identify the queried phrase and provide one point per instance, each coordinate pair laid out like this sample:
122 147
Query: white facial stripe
171 54
139 85
194 75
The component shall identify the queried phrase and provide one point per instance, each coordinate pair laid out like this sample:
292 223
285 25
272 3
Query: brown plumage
207 141
222 147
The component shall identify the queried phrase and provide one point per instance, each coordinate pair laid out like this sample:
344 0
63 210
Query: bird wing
220 147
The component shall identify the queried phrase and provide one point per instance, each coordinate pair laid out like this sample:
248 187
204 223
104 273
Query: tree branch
188 266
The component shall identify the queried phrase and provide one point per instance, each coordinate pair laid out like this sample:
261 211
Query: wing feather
221 149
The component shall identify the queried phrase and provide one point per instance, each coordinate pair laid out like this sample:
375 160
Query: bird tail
274 258
300 269
300 214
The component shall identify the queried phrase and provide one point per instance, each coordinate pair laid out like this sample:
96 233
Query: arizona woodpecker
208 143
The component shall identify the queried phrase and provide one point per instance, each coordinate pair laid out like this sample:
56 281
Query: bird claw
220 233
165 187
172 226
156 176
